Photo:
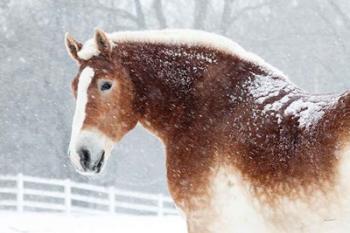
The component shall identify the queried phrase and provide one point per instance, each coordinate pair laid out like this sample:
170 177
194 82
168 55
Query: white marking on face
82 98
90 139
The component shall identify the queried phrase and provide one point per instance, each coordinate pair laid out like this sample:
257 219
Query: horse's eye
106 86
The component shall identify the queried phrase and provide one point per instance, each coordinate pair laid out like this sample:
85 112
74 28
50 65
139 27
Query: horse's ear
104 45
73 47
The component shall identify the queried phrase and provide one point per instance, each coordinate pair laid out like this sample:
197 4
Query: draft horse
246 150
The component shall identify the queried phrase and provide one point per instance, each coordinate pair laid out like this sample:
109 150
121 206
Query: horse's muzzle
89 151
88 164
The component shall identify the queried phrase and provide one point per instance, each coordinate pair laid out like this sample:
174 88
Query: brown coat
216 111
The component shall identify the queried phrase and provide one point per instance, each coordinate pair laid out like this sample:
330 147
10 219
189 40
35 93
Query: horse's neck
175 84
172 81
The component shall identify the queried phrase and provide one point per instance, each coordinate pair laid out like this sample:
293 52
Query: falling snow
36 103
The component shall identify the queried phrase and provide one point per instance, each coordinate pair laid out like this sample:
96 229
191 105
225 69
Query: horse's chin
96 170
89 173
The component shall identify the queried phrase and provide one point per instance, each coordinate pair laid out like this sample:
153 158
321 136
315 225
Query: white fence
25 193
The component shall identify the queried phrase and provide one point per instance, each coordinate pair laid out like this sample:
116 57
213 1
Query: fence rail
26 193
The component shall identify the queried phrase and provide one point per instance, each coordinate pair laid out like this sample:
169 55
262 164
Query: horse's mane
180 37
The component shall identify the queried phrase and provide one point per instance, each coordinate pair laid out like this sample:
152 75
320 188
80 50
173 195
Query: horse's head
104 105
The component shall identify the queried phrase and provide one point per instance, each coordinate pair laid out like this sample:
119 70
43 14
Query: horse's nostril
85 157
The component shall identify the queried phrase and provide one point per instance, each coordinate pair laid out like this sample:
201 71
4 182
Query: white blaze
82 98
92 139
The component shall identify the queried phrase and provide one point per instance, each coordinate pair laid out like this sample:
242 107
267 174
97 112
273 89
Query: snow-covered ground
60 223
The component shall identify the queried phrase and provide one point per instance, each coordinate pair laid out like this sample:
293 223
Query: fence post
160 205
111 195
67 196
20 194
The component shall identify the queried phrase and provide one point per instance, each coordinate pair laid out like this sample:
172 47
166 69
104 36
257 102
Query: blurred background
308 40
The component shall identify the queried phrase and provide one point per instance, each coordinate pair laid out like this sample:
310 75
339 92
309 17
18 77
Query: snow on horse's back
247 150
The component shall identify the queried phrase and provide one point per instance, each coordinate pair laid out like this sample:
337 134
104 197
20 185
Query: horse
246 149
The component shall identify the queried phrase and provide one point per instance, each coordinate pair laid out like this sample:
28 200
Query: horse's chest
232 208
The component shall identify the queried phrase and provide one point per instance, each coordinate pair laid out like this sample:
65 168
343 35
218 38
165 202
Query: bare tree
340 12
158 7
200 13
140 17
226 16
229 16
